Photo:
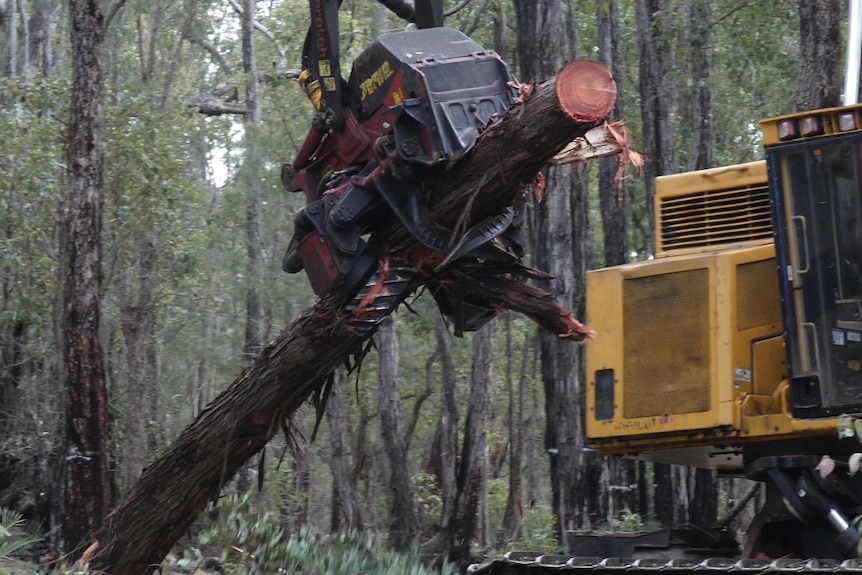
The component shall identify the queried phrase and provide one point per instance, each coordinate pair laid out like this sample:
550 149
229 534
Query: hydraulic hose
404 9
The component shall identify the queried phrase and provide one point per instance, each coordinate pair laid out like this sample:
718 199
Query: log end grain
586 91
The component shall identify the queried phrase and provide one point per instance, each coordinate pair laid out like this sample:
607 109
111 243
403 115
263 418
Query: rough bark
656 95
403 526
703 130
292 369
820 54
563 225
514 514
611 194
443 458
87 486
346 515
464 522
137 316
250 178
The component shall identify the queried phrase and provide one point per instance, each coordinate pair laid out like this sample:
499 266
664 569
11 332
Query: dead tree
175 488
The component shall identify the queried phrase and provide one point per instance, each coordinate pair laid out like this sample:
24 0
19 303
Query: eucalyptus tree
402 516
87 483
819 83
564 251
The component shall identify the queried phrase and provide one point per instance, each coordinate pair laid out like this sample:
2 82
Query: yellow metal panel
679 334
666 336
706 210
827 116
769 365
757 299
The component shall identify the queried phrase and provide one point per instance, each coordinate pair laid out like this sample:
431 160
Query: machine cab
815 171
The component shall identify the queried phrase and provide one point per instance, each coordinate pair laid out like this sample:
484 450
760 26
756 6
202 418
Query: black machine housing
415 101
446 87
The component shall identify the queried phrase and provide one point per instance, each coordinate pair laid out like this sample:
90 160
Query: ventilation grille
757 299
666 338
714 219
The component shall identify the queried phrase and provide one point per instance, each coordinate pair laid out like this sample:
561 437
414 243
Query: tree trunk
346 515
443 459
611 194
249 178
656 96
136 319
514 515
464 521
563 230
820 53
703 131
9 54
402 518
295 367
87 486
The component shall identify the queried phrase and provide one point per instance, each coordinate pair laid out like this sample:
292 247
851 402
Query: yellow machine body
689 362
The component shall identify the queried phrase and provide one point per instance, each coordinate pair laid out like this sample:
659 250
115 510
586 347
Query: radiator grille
757 299
714 219
666 339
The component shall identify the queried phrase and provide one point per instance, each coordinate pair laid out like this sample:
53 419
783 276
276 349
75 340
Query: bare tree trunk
402 518
464 521
656 95
9 62
820 53
448 426
136 319
25 41
611 194
514 514
703 130
249 178
87 487
346 514
442 460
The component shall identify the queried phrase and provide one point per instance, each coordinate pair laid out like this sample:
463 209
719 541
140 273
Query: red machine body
415 101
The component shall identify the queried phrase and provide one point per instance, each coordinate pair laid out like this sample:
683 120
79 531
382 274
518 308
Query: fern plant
255 544
13 533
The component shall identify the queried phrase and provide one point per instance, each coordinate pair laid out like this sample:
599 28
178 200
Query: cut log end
586 91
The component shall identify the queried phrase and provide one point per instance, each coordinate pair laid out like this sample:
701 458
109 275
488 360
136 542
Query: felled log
141 530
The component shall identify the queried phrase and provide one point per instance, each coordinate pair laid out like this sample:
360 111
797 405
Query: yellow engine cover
675 352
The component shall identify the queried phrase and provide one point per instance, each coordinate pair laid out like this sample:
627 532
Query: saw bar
518 563
382 292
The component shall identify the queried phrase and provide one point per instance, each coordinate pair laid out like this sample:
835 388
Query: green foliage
14 535
539 531
253 542
627 522
498 497
427 496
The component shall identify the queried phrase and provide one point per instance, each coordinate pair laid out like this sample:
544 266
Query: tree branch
262 29
112 11
212 51
209 105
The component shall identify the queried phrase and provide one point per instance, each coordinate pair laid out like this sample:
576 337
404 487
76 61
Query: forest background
434 434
